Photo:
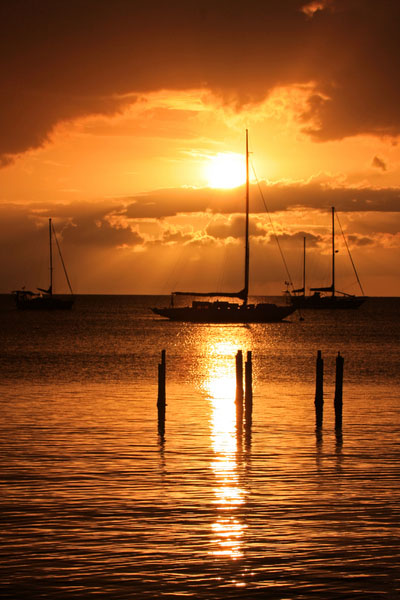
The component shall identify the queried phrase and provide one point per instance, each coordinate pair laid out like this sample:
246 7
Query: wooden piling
161 399
338 402
239 389
319 390
248 396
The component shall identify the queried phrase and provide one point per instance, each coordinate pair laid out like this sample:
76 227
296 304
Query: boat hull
327 302
43 303
233 313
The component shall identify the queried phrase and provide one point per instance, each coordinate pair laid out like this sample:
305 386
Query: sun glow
226 170
220 386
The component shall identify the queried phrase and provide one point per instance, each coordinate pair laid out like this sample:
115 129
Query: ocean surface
96 503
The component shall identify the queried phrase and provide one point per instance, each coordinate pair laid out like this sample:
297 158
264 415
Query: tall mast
247 249
333 251
304 266
51 259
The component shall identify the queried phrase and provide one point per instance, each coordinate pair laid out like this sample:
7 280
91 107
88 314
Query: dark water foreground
95 504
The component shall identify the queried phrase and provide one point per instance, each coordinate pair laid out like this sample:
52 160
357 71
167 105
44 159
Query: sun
226 170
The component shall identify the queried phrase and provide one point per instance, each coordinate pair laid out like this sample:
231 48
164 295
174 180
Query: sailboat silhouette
325 297
221 311
45 299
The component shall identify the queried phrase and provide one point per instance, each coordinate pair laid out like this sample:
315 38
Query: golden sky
126 124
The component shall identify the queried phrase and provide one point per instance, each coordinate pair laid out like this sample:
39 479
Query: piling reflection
228 527
319 440
339 451
319 455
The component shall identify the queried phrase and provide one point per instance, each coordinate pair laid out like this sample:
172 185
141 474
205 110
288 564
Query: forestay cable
349 253
62 260
290 282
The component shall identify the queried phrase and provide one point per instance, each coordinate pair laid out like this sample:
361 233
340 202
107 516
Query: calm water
95 503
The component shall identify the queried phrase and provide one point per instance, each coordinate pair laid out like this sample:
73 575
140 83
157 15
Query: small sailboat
326 297
222 311
44 299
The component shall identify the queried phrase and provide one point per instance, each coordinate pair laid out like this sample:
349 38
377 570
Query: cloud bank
130 245
72 58
274 197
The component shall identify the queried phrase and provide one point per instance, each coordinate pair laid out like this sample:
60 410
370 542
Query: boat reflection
228 528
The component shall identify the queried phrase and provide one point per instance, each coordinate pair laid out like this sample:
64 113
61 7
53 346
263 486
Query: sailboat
222 311
326 297
44 299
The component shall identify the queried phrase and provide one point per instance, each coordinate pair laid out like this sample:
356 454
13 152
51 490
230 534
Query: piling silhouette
239 390
248 395
161 399
338 402
319 390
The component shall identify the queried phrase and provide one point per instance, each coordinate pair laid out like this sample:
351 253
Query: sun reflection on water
220 386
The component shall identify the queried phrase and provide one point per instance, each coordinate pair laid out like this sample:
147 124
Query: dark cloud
166 203
363 241
379 163
71 58
324 195
312 240
355 54
107 252
233 227
170 202
175 237
85 233
77 225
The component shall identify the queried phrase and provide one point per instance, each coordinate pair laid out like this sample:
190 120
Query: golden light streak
220 386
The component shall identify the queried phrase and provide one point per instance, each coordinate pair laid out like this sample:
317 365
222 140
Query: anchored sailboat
221 311
326 297
45 299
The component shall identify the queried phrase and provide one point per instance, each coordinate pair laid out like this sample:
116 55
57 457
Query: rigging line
273 228
349 253
62 260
